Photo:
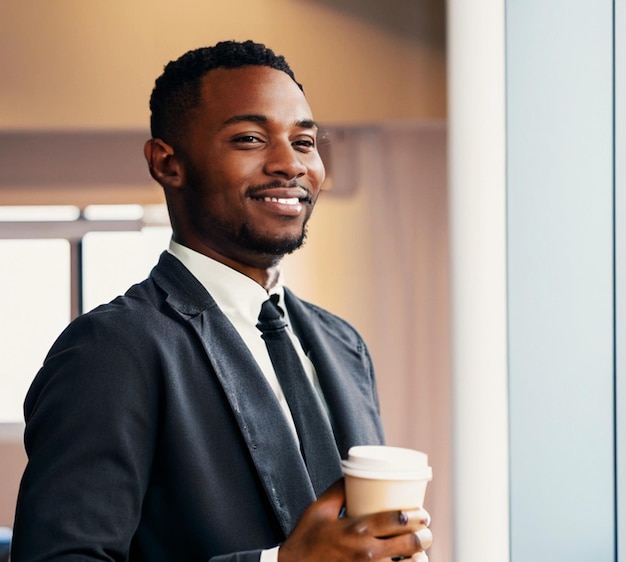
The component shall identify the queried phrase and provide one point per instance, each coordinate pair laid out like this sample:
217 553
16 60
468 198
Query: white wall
478 235
69 64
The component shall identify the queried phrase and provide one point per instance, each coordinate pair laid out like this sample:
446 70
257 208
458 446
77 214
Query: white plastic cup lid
381 462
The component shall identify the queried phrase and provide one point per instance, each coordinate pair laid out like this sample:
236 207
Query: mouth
286 200
285 207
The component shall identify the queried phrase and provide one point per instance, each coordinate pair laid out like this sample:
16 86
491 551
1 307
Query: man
157 429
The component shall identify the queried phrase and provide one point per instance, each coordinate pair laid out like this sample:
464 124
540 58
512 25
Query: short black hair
178 89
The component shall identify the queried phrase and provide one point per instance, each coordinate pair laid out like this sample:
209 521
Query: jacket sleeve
93 422
90 437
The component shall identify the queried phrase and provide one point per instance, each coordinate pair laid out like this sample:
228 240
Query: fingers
400 534
416 517
407 545
424 538
322 535
391 523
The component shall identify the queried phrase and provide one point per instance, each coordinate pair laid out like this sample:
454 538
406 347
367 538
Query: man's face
251 165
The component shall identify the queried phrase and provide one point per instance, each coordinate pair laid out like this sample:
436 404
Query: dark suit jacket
153 436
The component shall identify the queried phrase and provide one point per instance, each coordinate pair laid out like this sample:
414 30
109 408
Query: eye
304 145
247 139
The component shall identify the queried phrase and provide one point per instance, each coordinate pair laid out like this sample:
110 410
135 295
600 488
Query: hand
322 535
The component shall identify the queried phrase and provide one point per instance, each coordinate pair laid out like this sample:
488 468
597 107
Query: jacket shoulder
306 313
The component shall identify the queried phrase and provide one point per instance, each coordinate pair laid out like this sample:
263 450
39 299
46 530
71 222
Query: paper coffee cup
380 478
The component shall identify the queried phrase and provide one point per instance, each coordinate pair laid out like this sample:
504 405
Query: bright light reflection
113 212
156 215
34 308
34 213
113 261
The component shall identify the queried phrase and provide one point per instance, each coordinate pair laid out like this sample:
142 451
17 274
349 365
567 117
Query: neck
267 277
265 270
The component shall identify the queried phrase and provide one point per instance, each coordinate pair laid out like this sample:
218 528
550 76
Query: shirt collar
237 295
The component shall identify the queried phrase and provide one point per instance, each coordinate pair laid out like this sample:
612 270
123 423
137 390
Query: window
35 306
113 261
59 262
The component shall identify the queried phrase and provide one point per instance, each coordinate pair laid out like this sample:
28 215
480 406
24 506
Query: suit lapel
269 439
340 360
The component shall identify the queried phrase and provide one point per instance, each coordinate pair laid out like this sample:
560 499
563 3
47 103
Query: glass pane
113 261
34 308
113 212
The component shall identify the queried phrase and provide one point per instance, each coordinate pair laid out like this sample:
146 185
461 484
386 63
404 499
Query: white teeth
290 201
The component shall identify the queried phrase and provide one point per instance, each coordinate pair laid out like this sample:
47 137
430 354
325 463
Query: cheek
317 172
226 177
237 171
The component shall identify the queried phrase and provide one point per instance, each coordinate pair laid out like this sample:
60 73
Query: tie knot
271 316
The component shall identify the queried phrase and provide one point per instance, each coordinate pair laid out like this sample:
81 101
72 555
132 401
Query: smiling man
242 182
161 426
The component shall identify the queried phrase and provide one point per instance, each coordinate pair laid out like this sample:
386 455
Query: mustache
253 189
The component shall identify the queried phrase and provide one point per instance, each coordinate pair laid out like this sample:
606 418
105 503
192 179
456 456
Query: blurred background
471 228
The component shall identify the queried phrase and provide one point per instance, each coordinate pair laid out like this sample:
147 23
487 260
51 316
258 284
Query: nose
284 161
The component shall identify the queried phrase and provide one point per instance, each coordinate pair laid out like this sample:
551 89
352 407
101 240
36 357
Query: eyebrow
255 118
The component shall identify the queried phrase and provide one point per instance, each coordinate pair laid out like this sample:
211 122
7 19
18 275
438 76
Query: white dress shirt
240 298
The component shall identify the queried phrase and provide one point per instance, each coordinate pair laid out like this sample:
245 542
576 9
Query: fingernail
425 537
412 515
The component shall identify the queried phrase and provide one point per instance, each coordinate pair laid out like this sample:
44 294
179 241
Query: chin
272 246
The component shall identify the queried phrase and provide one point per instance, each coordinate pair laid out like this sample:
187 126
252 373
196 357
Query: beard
258 243
228 233
235 238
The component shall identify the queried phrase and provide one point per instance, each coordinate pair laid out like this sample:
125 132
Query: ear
165 166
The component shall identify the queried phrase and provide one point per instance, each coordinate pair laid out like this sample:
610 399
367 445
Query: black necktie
317 442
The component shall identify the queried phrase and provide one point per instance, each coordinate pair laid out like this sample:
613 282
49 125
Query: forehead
258 90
